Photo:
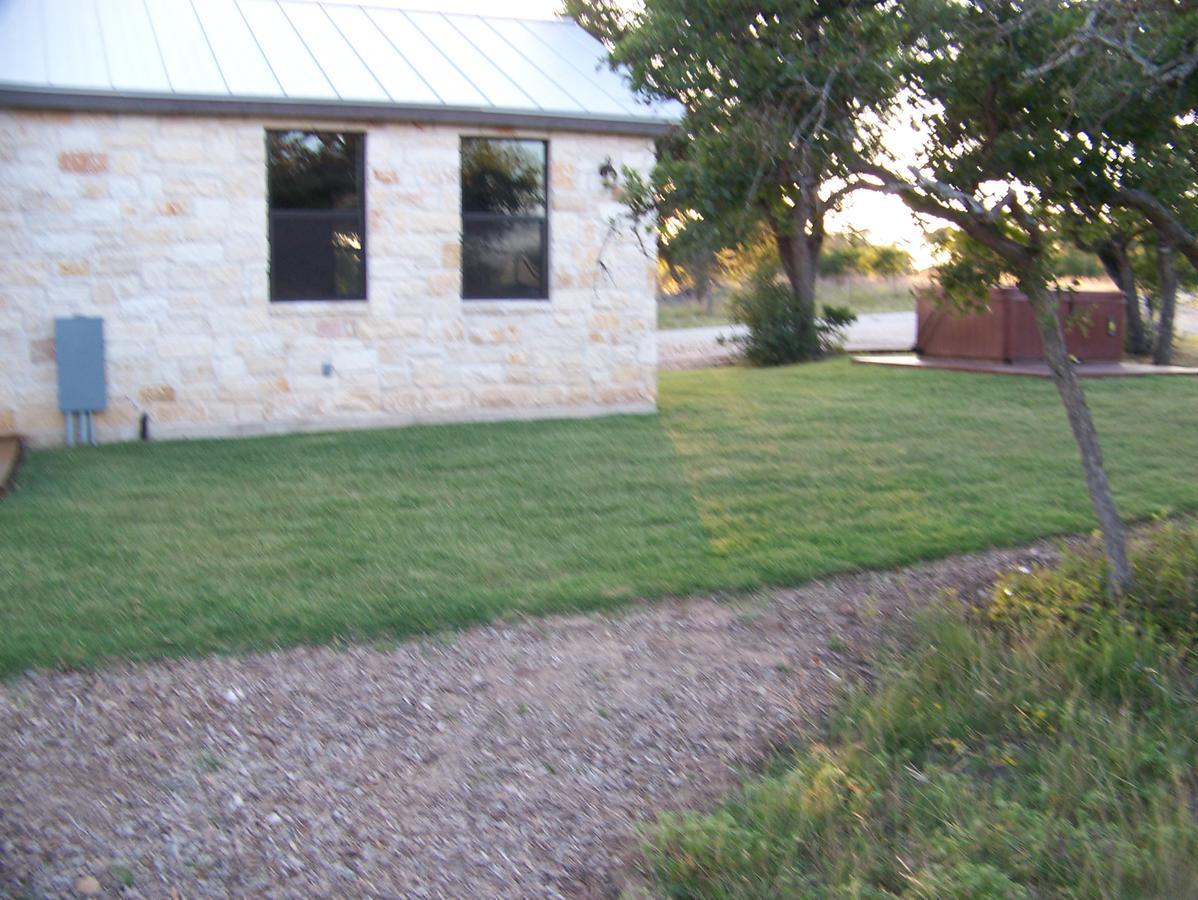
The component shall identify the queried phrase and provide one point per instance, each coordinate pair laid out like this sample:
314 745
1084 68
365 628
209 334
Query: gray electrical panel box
79 350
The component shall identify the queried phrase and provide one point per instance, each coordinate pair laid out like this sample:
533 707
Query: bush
780 330
1073 594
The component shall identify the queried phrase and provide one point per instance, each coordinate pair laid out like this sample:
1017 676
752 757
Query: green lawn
746 477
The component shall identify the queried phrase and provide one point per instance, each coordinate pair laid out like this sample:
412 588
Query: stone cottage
296 215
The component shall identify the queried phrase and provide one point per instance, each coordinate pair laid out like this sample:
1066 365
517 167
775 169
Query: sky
884 220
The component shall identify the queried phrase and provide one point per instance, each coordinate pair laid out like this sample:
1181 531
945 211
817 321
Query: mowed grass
747 477
804 470
143 550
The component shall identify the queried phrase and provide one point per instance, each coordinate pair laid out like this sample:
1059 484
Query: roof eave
15 97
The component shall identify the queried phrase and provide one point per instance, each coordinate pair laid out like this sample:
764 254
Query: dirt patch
509 761
11 453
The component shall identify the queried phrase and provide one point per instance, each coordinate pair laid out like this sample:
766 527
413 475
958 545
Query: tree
781 97
1113 246
1132 76
999 146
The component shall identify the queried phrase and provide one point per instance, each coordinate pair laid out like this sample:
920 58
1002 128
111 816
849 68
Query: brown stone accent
83 162
162 393
75 267
41 350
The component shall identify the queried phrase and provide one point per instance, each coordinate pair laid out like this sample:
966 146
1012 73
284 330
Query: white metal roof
313 58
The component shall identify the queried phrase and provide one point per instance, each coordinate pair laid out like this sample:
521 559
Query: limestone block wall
158 224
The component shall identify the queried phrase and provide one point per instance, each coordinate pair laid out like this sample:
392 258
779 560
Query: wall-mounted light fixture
608 173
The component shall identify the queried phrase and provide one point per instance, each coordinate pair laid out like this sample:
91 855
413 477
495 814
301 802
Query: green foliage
967 269
1073 594
1072 262
782 330
776 98
852 255
985 764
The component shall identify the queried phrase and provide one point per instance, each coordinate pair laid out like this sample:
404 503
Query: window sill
286 308
485 303
506 307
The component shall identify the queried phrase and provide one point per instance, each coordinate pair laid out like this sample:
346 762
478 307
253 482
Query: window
505 228
317 215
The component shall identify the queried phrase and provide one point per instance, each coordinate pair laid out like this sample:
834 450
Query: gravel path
505 761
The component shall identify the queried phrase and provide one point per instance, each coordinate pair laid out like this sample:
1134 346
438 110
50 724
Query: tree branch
1163 219
934 198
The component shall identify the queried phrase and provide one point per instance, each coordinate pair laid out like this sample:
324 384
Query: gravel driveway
506 761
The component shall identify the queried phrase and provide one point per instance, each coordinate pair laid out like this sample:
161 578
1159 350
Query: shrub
780 330
1073 593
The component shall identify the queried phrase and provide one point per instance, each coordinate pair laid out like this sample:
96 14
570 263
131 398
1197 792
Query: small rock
87 885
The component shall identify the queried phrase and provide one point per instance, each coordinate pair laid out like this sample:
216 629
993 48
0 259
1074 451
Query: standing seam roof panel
242 65
402 83
589 56
190 66
497 87
22 44
437 71
336 58
289 58
571 78
134 60
530 79
75 56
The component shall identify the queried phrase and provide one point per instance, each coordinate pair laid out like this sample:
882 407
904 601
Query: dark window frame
540 294
357 216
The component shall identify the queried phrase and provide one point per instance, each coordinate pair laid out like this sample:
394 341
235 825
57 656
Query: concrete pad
1030 368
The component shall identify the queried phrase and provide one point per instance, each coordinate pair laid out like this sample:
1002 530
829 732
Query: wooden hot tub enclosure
1006 331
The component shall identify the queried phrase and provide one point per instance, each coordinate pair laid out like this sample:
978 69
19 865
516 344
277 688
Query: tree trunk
1114 536
1166 266
1113 255
799 252
703 283
801 267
